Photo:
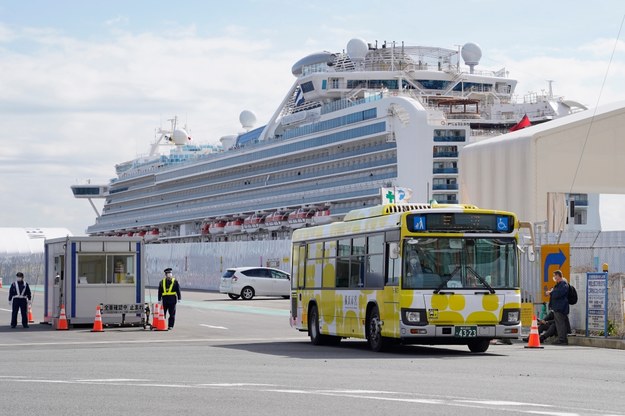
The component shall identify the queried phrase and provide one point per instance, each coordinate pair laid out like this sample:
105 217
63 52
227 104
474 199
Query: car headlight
414 317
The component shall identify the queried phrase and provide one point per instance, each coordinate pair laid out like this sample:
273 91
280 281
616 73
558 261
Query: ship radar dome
471 53
357 50
247 119
180 137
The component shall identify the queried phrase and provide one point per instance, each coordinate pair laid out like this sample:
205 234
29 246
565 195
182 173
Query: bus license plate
466 331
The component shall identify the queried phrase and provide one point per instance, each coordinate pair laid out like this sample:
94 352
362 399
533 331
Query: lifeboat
205 228
216 227
277 220
322 216
141 233
130 234
152 235
233 226
253 223
300 217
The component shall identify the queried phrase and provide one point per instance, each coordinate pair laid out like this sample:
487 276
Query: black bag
572 295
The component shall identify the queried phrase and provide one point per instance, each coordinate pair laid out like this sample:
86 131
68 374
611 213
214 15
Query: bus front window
469 263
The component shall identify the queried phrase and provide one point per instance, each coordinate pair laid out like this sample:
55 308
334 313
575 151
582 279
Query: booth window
106 269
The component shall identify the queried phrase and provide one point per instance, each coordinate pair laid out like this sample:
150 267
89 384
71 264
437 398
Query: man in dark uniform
19 296
169 293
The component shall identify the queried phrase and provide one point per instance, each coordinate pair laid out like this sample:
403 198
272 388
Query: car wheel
374 331
233 296
247 293
285 297
479 345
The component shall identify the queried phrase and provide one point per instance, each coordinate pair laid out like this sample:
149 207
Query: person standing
559 304
19 296
169 294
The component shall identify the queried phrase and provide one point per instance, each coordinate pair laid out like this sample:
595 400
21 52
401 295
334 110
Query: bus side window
393 264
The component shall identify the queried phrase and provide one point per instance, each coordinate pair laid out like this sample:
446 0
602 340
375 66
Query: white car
247 282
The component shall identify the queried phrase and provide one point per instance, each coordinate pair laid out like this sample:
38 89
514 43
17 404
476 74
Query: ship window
307 86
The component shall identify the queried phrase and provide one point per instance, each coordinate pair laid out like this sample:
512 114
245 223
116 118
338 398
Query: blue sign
419 223
502 223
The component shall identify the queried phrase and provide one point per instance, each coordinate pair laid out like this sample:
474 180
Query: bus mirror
531 252
393 249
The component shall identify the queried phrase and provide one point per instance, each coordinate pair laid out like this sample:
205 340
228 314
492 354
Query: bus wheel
374 331
479 345
313 326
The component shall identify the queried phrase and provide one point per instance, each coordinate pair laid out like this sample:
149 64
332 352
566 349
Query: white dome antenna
247 119
471 53
357 51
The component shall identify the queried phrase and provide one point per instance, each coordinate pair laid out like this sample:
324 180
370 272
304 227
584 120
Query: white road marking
213 326
6 310
499 405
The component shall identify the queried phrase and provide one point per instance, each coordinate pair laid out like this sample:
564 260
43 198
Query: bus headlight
511 316
414 317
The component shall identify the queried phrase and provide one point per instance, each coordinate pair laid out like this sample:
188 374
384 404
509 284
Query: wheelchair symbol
502 223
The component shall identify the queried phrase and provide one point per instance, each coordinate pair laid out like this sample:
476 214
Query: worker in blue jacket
19 296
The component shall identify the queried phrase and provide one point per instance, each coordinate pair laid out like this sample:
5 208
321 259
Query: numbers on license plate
466 332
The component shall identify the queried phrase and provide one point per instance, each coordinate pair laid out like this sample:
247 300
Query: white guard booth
83 272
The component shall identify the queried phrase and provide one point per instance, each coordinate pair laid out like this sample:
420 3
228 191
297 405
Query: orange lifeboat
277 220
322 216
253 223
152 235
217 227
300 217
205 227
233 226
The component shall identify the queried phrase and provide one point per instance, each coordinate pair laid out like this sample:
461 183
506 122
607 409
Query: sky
85 85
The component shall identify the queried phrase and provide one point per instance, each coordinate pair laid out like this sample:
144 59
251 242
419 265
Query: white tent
526 171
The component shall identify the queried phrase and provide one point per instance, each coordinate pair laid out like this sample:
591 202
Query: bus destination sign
460 222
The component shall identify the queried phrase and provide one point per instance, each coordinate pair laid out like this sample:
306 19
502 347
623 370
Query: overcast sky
84 84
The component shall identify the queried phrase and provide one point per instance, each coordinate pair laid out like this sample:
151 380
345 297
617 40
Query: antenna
550 81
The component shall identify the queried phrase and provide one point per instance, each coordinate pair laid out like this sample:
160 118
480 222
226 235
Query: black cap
167 270
20 274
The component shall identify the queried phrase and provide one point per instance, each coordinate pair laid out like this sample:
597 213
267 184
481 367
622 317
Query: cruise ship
371 124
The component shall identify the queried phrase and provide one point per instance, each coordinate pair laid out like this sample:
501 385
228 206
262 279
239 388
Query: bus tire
313 326
316 338
373 330
479 345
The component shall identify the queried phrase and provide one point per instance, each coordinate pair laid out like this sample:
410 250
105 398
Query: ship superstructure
353 123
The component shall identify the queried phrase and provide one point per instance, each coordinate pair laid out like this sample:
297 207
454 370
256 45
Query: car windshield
470 263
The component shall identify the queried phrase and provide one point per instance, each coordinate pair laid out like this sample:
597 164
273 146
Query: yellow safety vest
168 290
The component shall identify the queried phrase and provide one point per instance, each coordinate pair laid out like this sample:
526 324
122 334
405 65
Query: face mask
554 279
413 262
20 279
168 274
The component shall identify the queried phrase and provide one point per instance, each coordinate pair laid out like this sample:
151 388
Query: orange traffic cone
62 322
161 325
30 315
155 315
534 340
97 323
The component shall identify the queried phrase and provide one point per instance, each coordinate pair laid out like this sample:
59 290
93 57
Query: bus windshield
468 263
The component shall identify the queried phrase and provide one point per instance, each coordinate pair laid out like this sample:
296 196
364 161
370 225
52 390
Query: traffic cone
30 315
0 283
97 323
161 325
534 340
62 322
155 315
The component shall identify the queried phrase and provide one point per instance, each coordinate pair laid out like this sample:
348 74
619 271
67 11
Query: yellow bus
409 274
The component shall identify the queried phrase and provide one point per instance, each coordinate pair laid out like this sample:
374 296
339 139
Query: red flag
525 122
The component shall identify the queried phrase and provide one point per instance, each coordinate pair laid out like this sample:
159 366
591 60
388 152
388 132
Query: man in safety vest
169 293
19 296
